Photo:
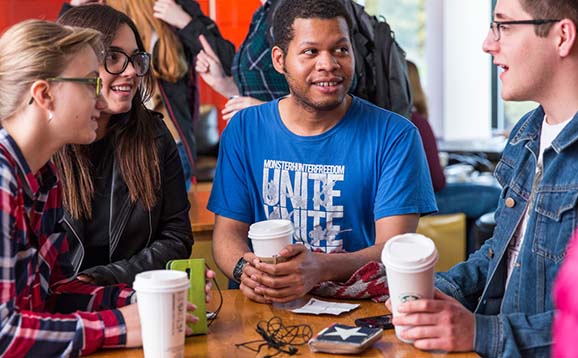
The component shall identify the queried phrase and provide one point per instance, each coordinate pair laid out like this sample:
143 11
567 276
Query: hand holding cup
409 261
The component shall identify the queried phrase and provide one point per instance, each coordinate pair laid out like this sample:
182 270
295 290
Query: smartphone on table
383 321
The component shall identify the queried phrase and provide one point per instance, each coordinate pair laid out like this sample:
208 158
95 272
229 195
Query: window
505 113
407 20
453 69
512 112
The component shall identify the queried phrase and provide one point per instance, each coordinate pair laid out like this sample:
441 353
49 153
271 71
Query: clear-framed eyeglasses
497 26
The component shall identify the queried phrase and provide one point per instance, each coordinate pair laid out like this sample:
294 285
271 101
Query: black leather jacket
139 239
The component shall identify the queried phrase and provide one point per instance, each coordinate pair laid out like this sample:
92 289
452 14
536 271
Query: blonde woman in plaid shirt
49 90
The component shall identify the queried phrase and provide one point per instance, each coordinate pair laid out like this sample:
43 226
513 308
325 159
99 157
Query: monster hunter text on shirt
306 194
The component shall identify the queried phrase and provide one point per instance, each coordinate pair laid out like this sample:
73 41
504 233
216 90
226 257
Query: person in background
170 31
349 174
499 302
126 208
565 292
419 115
253 79
49 90
471 198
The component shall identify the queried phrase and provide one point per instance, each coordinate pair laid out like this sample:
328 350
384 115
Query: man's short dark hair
290 10
550 9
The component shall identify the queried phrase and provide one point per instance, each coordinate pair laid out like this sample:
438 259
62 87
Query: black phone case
383 321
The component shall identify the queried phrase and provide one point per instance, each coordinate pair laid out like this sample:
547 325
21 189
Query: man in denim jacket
499 303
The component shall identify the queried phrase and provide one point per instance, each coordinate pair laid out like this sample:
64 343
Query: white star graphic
346 333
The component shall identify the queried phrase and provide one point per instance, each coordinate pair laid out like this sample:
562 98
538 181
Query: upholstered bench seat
449 234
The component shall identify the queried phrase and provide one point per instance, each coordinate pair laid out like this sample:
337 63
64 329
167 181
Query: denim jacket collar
532 126
568 136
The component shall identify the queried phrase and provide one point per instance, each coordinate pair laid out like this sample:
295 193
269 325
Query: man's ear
40 93
567 37
278 58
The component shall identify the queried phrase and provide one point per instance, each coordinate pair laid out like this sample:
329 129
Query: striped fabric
44 312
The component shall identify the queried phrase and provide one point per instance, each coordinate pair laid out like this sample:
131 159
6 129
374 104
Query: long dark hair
133 139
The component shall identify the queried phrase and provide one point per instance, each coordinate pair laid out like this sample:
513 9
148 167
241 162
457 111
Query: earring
50 116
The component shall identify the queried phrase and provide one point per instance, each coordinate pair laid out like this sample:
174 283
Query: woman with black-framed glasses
125 200
170 30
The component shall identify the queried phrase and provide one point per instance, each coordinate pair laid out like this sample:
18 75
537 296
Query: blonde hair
417 93
169 59
34 50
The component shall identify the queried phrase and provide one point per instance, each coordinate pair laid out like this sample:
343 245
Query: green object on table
195 269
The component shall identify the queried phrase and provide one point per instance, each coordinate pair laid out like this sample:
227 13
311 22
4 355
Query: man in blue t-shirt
348 174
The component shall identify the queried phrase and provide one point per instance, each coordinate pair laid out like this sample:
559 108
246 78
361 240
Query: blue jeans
472 199
187 170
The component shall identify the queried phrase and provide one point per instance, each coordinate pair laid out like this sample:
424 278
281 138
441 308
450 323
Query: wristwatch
238 270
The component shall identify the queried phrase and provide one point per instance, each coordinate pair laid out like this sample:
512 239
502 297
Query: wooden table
202 223
239 316
202 220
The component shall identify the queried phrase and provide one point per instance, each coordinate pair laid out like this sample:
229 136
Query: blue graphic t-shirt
333 186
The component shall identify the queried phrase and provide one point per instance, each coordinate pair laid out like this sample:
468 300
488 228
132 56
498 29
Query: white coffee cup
409 261
162 306
269 237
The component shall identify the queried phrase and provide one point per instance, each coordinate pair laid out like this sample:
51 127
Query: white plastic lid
161 281
270 229
409 253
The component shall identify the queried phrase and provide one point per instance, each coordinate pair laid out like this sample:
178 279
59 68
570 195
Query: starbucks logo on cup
406 297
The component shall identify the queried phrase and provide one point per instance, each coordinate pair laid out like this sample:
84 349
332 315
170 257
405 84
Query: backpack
380 65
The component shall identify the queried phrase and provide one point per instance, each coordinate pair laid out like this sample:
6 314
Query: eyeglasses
96 82
116 61
498 26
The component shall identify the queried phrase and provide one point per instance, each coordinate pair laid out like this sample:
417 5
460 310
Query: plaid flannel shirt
252 67
44 311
